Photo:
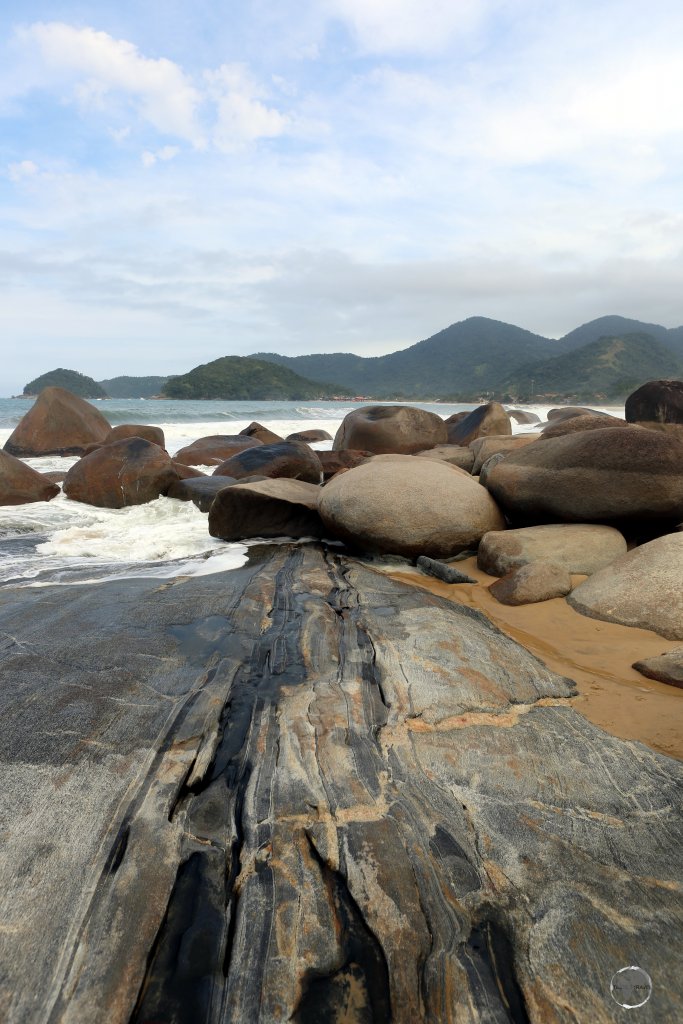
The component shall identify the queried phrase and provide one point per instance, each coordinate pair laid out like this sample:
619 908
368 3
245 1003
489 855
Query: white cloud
389 26
166 153
242 116
22 169
100 65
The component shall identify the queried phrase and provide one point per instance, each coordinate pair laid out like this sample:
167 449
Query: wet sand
597 655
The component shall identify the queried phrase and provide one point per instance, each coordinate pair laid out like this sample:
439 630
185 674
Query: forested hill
239 378
75 382
133 387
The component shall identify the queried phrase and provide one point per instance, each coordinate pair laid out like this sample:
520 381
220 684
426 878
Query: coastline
597 655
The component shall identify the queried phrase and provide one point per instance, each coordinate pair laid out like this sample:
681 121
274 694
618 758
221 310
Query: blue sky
180 182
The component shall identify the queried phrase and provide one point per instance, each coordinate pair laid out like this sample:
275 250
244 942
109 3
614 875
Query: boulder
271 508
481 422
454 454
659 401
573 424
214 449
623 474
124 430
390 429
576 547
442 571
497 444
128 472
674 429
642 588
528 584
566 412
20 484
261 433
201 491
667 668
397 504
293 459
186 472
492 461
309 436
335 462
58 423
522 416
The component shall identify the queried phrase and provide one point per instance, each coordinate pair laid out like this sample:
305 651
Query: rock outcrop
20 484
303 791
128 472
58 423
390 429
577 547
294 459
401 505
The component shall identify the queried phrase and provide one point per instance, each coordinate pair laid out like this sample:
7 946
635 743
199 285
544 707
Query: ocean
65 542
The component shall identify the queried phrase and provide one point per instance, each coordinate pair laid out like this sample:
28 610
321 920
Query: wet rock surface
58 423
304 791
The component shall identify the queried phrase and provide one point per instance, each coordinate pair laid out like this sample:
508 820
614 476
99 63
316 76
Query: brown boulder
390 429
20 484
624 474
261 433
397 504
58 423
659 401
453 454
566 412
576 547
129 472
309 436
335 462
214 449
293 459
271 508
481 422
497 444
528 584
574 424
201 491
124 430
184 472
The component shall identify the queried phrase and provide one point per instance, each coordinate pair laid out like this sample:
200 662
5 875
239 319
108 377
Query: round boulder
293 459
622 474
484 447
397 504
58 423
659 401
261 433
129 472
528 584
574 424
666 668
566 412
309 436
481 422
20 484
335 462
214 449
390 429
453 454
576 547
642 588
201 490
269 508
124 430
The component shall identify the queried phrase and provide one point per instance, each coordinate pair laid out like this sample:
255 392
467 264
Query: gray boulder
577 547
390 429
397 504
531 583
442 571
269 508
642 588
666 668
201 490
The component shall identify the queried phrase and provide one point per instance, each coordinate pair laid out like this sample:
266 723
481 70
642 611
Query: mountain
237 378
76 383
607 369
461 361
617 327
133 387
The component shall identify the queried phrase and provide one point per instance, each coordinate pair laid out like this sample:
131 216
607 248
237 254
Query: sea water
67 542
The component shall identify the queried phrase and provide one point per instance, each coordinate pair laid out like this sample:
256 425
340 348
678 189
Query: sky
184 181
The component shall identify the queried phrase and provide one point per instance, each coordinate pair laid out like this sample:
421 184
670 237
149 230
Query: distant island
601 361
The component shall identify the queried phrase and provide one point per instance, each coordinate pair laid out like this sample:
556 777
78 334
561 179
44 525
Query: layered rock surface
303 791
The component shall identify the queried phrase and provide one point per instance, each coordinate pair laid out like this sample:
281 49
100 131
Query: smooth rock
261 433
201 491
576 547
484 447
58 423
624 474
442 571
574 424
184 472
214 449
642 588
566 412
390 429
20 484
531 583
492 461
481 422
272 508
658 401
397 504
522 416
293 459
128 472
454 454
335 462
309 436
125 430
667 668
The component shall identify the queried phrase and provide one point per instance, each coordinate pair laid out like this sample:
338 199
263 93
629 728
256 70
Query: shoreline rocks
128 472
390 429
58 423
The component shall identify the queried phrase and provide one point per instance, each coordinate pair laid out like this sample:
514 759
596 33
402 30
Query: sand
597 655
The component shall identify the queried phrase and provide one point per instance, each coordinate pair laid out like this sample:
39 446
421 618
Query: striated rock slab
303 791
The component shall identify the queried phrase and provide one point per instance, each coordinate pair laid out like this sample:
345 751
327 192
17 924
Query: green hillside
133 387
617 327
76 383
461 361
609 369
238 378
